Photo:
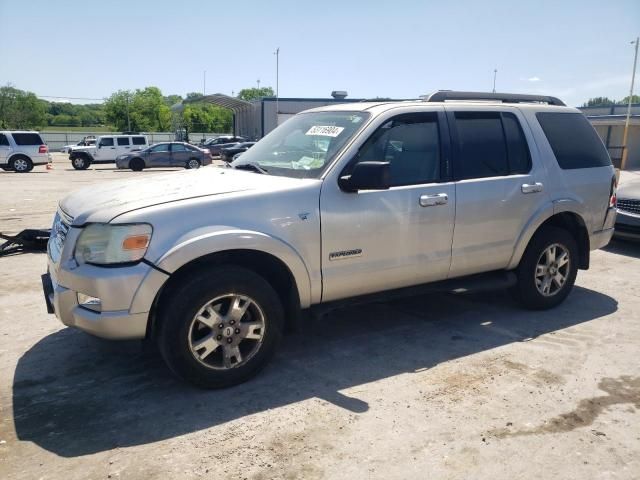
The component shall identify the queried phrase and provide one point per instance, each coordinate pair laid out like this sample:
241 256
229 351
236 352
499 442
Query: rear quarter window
573 140
27 139
138 140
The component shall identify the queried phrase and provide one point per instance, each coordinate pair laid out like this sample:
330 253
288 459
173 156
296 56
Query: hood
104 202
630 190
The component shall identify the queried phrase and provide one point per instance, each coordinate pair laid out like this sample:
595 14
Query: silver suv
21 150
336 205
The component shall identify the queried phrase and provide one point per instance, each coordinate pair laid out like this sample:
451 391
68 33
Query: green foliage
205 117
140 111
20 109
252 93
599 102
634 99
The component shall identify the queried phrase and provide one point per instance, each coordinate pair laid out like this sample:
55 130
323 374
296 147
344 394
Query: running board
481 282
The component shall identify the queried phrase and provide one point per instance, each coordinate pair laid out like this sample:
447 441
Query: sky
399 49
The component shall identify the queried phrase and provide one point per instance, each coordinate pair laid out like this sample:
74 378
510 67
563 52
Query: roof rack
443 95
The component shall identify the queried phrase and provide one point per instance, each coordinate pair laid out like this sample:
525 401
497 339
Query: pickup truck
339 204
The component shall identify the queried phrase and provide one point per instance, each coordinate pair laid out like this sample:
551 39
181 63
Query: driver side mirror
367 176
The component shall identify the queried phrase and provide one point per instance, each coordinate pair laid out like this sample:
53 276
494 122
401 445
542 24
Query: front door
159 156
106 149
385 239
498 187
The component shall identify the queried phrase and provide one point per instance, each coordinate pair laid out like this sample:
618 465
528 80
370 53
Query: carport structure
242 111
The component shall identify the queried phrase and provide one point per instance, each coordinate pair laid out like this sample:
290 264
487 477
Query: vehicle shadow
76 395
628 248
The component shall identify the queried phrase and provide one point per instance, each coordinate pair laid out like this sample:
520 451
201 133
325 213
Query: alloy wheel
552 269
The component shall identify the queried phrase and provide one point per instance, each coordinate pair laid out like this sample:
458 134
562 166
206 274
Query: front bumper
627 225
117 289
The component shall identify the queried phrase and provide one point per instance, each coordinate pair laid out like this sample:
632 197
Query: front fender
221 239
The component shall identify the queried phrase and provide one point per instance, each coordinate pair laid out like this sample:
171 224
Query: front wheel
80 162
137 164
548 269
220 327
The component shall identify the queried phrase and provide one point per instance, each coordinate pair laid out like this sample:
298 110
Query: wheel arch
569 220
273 269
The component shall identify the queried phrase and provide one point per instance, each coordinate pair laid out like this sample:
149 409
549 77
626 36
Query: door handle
433 200
532 187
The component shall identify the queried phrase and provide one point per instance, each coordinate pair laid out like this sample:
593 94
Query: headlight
106 244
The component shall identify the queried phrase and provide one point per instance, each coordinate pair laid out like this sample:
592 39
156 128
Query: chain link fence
57 140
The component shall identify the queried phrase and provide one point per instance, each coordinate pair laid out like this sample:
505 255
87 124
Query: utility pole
623 163
258 84
277 54
204 83
495 73
128 119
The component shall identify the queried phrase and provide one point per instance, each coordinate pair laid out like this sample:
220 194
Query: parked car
169 154
86 142
228 153
628 206
21 150
336 205
106 150
222 142
222 139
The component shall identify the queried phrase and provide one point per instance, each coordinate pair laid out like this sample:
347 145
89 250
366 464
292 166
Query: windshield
304 145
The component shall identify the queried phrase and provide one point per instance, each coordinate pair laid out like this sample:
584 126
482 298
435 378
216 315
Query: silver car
336 205
628 205
163 155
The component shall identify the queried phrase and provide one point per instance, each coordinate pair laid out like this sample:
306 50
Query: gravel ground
439 386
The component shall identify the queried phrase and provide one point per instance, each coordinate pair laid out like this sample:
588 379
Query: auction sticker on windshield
326 131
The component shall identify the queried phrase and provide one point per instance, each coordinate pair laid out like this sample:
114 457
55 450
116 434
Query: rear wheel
192 163
136 164
80 162
21 164
548 269
220 327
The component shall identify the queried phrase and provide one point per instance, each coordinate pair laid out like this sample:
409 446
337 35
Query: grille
59 232
629 205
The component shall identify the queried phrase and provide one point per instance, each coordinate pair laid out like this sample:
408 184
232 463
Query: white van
106 150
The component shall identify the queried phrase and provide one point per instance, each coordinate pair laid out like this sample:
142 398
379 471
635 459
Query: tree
204 117
252 93
599 102
634 99
144 110
20 109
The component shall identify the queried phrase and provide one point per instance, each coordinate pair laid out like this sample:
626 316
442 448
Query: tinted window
411 144
3 140
106 142
481 145
573 140
123 141
177 147
517 148
27 139
138 141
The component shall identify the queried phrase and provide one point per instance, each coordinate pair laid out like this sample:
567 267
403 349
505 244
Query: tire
6 168
181 334
538 286
136 164
21 164
192 163
80 162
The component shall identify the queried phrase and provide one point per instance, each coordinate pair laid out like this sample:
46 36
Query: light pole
128 119
204 83
258 84
277 54
495 73
623 163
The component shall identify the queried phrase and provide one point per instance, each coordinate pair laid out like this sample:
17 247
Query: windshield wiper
254 167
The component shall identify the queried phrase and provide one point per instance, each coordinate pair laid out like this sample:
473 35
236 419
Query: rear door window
123 141
518 153
177 147
3 140
27 139
138 140
573 140
482 148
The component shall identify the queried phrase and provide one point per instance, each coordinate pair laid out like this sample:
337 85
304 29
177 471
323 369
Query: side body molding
206 241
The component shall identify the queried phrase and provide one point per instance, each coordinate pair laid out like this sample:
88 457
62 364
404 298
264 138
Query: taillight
43 149
613 199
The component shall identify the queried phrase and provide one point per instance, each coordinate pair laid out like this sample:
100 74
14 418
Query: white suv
338 204
106 150
21 150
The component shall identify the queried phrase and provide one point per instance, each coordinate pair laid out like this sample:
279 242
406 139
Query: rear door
179 155
499 186
123 145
